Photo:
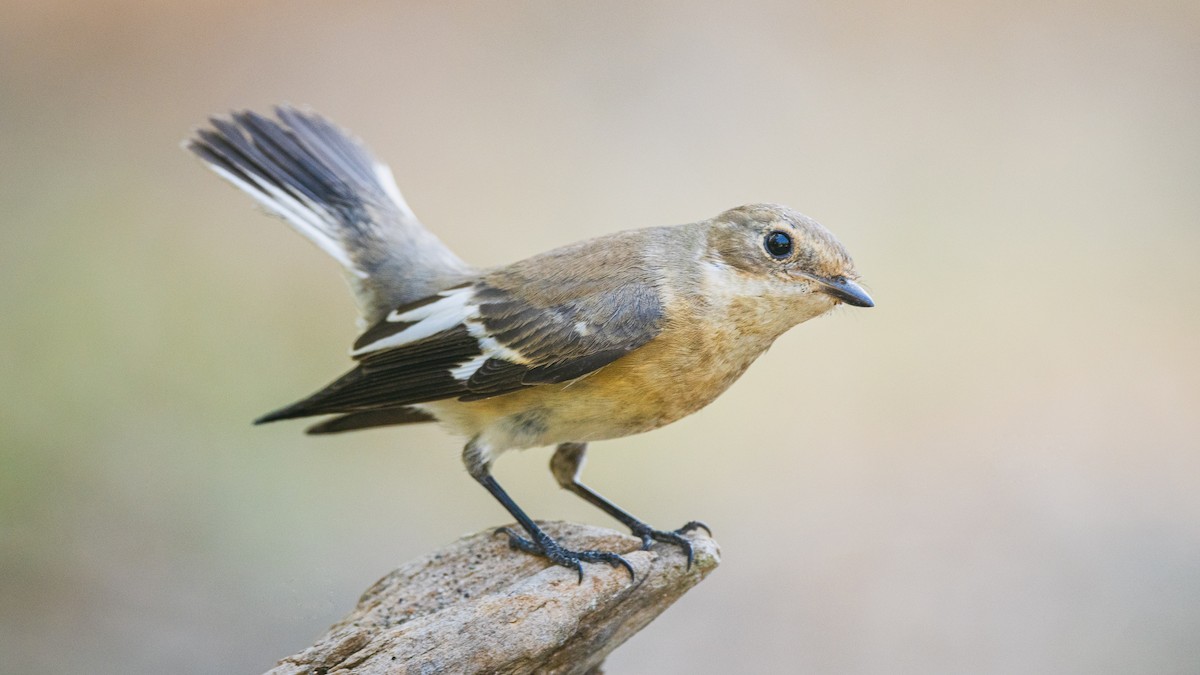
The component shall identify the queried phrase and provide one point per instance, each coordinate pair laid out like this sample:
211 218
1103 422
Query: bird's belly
651 387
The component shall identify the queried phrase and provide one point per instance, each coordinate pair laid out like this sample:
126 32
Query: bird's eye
778 244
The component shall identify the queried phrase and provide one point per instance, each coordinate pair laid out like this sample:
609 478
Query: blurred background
996 470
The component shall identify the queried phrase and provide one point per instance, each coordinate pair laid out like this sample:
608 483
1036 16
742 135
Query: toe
615 560
694 525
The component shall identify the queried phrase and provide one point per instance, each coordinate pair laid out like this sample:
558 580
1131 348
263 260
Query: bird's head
779 254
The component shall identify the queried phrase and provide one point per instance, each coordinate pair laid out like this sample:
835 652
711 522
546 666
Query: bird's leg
566 465
538 543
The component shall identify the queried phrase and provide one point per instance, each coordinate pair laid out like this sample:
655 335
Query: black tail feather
371 418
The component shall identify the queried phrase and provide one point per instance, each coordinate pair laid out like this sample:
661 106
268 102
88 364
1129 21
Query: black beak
847 291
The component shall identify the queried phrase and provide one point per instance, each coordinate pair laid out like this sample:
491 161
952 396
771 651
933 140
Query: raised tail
322 181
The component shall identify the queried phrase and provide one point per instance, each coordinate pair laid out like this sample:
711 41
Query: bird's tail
328 188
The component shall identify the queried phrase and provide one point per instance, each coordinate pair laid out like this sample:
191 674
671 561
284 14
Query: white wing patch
454 308
491 348
465 370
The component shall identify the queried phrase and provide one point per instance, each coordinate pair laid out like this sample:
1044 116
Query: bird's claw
549 549
650 535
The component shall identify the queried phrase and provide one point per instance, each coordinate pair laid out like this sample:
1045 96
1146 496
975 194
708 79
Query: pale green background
994 471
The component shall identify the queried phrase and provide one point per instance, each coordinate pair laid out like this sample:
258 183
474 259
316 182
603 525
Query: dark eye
778 244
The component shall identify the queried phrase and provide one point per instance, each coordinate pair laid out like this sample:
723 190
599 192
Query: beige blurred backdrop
995 470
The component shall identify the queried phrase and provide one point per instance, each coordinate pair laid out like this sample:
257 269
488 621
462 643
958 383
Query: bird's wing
502 333
325 184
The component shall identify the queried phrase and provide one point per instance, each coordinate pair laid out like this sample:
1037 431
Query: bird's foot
650 535
543 546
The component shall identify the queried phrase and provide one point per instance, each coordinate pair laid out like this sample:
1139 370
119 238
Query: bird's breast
682 370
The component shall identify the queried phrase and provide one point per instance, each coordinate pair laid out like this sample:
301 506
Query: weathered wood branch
477 607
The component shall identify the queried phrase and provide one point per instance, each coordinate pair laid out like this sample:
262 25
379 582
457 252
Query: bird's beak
844 290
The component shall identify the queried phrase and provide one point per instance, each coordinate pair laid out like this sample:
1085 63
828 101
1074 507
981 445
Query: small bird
601 339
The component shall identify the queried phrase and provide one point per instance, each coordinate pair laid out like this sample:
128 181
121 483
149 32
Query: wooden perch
476 606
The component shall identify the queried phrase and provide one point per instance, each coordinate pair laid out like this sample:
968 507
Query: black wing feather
494 377
414 373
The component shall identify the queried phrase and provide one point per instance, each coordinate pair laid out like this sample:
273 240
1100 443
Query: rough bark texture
477 607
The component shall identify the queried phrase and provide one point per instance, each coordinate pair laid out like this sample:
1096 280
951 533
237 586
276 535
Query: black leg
566 465
539 543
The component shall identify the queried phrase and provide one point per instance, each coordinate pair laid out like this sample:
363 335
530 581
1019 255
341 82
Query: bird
613 336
